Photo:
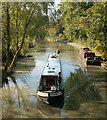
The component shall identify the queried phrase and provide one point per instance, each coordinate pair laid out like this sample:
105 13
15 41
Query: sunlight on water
84 87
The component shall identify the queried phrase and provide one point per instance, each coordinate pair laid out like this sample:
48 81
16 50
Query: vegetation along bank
26 24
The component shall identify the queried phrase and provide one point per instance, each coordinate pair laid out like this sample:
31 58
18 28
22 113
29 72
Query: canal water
85 87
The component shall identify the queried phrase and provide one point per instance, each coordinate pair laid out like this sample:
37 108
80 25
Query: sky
57 2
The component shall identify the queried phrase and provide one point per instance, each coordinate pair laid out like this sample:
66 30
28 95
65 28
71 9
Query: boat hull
51 98
93 62
104 65
90 62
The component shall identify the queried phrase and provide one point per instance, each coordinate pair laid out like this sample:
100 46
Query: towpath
80 46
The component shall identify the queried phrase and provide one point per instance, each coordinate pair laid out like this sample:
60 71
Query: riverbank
81 46
75 45
5 73
103 64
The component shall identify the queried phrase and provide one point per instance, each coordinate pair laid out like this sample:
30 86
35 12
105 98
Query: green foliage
23 25
85 22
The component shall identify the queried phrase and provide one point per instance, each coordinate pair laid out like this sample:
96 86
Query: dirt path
80 46
75 45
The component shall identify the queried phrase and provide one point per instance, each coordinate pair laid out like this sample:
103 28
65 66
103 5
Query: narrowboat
104 65
51 87
88 57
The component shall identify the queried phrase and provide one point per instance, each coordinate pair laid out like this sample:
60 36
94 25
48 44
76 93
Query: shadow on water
53 110
58 104
79 89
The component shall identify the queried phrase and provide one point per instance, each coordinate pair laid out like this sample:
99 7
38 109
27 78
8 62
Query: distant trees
84 23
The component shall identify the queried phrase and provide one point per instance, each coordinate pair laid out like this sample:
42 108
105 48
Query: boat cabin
89 54
51 74
48 83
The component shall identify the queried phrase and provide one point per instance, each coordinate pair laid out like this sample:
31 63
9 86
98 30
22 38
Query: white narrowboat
51 88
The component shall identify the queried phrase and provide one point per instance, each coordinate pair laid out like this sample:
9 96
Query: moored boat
51 88
88 57
104 65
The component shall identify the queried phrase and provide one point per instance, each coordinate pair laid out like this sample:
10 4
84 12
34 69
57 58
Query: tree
85 23
24 22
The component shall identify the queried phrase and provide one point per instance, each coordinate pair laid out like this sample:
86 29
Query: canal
85 87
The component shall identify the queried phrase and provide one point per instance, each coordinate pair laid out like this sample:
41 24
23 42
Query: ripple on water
82 94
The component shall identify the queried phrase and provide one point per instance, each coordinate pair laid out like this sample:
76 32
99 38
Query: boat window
53 68
48 82
51 71
91 55
44 81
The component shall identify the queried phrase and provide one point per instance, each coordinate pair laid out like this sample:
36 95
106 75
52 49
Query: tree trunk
8 36
18 51
17 38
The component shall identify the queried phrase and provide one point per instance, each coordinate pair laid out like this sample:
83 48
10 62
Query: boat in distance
51 88
88 57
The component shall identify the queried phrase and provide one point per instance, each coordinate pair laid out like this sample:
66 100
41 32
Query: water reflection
78 90
17 101
13 91
84 87
21 103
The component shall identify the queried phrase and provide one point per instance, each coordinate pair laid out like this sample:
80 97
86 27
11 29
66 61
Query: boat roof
88 50
52 66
